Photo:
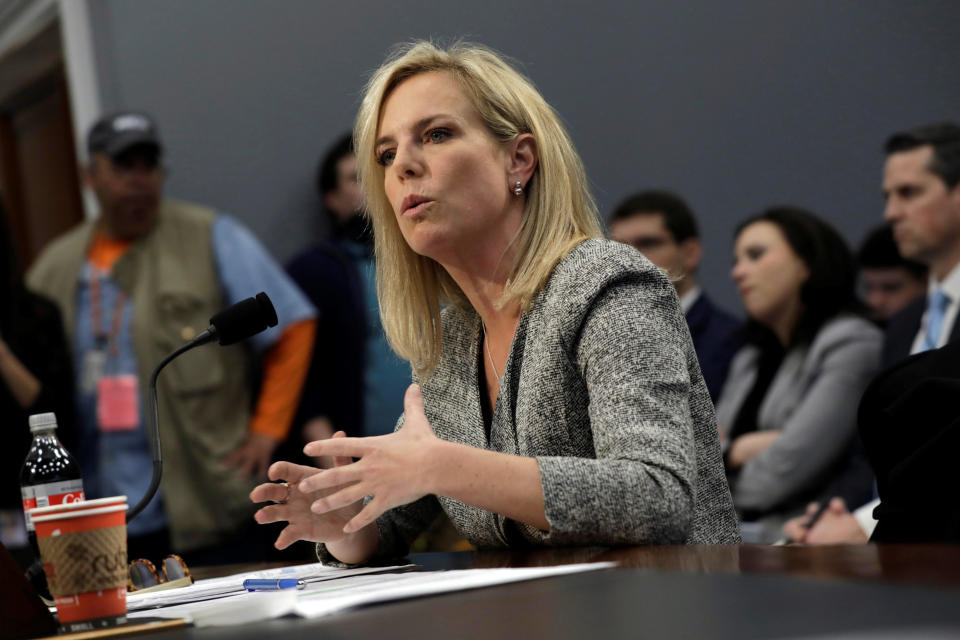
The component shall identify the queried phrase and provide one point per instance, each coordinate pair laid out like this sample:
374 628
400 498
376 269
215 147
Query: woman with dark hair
35 377
787 413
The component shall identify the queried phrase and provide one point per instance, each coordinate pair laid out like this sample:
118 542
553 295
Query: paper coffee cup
84 553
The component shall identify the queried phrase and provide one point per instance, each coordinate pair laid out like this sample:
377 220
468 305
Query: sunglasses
143 574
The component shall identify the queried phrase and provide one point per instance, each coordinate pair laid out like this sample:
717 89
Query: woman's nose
408 163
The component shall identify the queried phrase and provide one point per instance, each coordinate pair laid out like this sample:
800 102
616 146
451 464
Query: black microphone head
266 308
244 319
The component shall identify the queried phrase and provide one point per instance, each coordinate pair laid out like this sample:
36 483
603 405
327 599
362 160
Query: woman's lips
416 210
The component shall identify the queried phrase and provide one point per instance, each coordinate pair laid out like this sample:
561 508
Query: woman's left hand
395 469
749 446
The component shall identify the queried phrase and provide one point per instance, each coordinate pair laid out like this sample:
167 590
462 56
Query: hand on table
836 525
796 529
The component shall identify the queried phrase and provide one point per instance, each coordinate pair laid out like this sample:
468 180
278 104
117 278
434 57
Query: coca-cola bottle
50 475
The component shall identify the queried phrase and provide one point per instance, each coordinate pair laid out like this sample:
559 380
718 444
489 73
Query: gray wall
735 105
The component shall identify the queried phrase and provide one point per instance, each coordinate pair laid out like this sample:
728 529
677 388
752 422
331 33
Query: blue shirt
386 377
120 462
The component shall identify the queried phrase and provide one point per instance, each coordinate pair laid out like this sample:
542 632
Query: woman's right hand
293 507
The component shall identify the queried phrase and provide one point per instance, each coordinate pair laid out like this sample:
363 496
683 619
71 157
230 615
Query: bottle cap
43 422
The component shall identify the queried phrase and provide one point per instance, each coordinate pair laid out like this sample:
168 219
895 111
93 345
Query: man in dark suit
661 226
921 184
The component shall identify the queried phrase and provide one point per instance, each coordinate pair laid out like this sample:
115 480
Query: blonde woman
557 396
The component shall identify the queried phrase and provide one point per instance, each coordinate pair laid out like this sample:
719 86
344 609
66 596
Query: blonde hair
559 211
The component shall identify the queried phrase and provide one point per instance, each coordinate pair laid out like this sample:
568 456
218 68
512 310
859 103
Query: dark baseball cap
115 133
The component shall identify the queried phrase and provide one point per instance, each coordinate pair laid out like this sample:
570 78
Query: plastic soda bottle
50 475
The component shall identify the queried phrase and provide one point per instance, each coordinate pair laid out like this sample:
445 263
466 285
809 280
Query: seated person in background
787 413
921 184
558 399
888 281
35 377
911 431
661 226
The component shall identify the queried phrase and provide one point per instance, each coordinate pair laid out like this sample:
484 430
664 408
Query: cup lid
80 513
79 505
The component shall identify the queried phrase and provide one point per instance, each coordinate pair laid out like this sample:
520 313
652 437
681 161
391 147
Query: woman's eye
755 254
385 158
438 135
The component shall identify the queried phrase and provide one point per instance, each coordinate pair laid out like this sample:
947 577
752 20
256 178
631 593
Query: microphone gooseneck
235 323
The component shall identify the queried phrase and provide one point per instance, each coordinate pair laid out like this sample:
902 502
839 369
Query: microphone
235 323
239 321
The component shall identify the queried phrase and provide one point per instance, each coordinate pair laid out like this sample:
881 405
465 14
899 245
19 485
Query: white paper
348 588
324 599
212 588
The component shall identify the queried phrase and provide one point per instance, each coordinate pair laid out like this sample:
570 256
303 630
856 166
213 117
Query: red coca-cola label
50 494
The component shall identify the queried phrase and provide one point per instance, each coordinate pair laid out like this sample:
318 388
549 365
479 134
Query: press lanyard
95 309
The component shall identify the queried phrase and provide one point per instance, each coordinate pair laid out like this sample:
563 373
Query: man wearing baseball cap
133 285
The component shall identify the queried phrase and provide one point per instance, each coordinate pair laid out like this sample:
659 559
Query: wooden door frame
25 22
49 94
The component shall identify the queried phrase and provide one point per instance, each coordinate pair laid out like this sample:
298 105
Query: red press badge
118 403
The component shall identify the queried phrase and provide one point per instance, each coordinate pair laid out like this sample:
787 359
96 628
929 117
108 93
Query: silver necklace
486 343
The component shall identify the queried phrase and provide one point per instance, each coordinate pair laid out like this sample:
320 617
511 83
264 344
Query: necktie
936 311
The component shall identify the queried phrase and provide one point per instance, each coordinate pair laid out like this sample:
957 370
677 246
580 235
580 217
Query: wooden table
935 566
665 592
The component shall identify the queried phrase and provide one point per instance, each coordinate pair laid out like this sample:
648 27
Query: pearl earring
518 188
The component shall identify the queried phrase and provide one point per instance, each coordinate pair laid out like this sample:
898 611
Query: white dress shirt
951 287
688 299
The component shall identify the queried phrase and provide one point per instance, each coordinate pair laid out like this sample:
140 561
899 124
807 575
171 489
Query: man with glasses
661 226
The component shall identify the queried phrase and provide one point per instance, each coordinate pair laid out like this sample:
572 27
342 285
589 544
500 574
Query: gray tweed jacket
603 388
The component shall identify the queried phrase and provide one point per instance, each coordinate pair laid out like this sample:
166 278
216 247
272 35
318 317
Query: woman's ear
522 160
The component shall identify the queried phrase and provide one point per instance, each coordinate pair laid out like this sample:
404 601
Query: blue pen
275 584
